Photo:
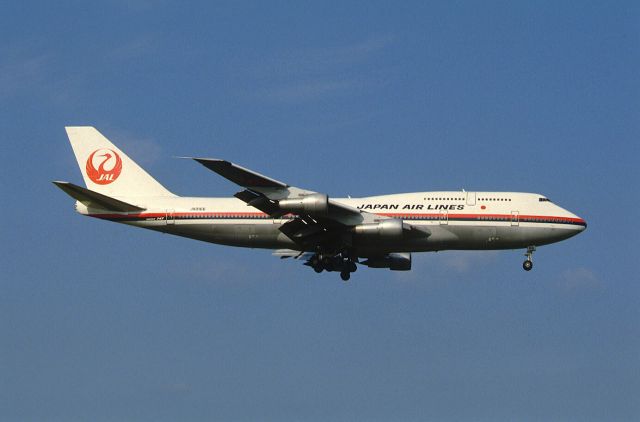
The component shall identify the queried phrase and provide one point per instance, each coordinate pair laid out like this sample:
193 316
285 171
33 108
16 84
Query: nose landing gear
528 264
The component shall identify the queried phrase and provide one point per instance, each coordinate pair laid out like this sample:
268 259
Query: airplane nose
584 224
579 221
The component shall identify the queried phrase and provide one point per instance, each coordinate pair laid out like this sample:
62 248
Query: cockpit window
544 199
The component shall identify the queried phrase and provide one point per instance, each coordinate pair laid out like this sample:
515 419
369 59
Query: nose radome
584 223
581 224
580 221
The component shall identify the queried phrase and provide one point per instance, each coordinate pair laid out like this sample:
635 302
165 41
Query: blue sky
104 322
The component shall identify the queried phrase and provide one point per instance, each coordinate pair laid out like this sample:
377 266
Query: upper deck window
544 199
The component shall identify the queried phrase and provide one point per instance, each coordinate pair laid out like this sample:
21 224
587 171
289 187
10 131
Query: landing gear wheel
345 275
318 268
528 264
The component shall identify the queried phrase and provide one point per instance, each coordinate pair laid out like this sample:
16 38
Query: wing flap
345 214
261 202
290 253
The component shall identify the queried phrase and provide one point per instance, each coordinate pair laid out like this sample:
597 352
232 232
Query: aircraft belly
470 237
442 237
265 236
251 235
522 236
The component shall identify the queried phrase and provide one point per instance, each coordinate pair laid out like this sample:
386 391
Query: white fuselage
455 220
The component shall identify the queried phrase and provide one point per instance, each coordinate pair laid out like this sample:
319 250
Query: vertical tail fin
108 170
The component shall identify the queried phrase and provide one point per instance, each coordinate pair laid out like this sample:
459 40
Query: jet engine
387 229
315 204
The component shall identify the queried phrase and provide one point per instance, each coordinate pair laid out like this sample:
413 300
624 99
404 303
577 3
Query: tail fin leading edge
106 169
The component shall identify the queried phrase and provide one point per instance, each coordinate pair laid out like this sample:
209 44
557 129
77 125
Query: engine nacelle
393 261
316 204
387 229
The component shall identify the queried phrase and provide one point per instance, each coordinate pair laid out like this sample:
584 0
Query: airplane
327 234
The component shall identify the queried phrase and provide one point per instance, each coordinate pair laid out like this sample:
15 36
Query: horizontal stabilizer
240 175
95 199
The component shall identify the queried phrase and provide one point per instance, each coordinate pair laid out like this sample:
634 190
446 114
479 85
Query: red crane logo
109 168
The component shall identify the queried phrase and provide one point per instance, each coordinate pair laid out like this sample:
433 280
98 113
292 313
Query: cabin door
471 198
170 217
444 217
515 218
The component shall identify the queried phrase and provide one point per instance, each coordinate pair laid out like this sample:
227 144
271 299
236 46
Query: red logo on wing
109 166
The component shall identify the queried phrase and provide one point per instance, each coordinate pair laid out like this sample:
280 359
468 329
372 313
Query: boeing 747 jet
327 234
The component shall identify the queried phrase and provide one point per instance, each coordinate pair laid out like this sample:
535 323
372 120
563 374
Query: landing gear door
471 198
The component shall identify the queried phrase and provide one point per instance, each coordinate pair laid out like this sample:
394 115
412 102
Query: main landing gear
340 262
528 264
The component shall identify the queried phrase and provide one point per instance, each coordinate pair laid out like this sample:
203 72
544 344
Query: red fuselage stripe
450 216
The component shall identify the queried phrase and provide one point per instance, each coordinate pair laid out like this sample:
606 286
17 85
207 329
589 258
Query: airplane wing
318 220
240 175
